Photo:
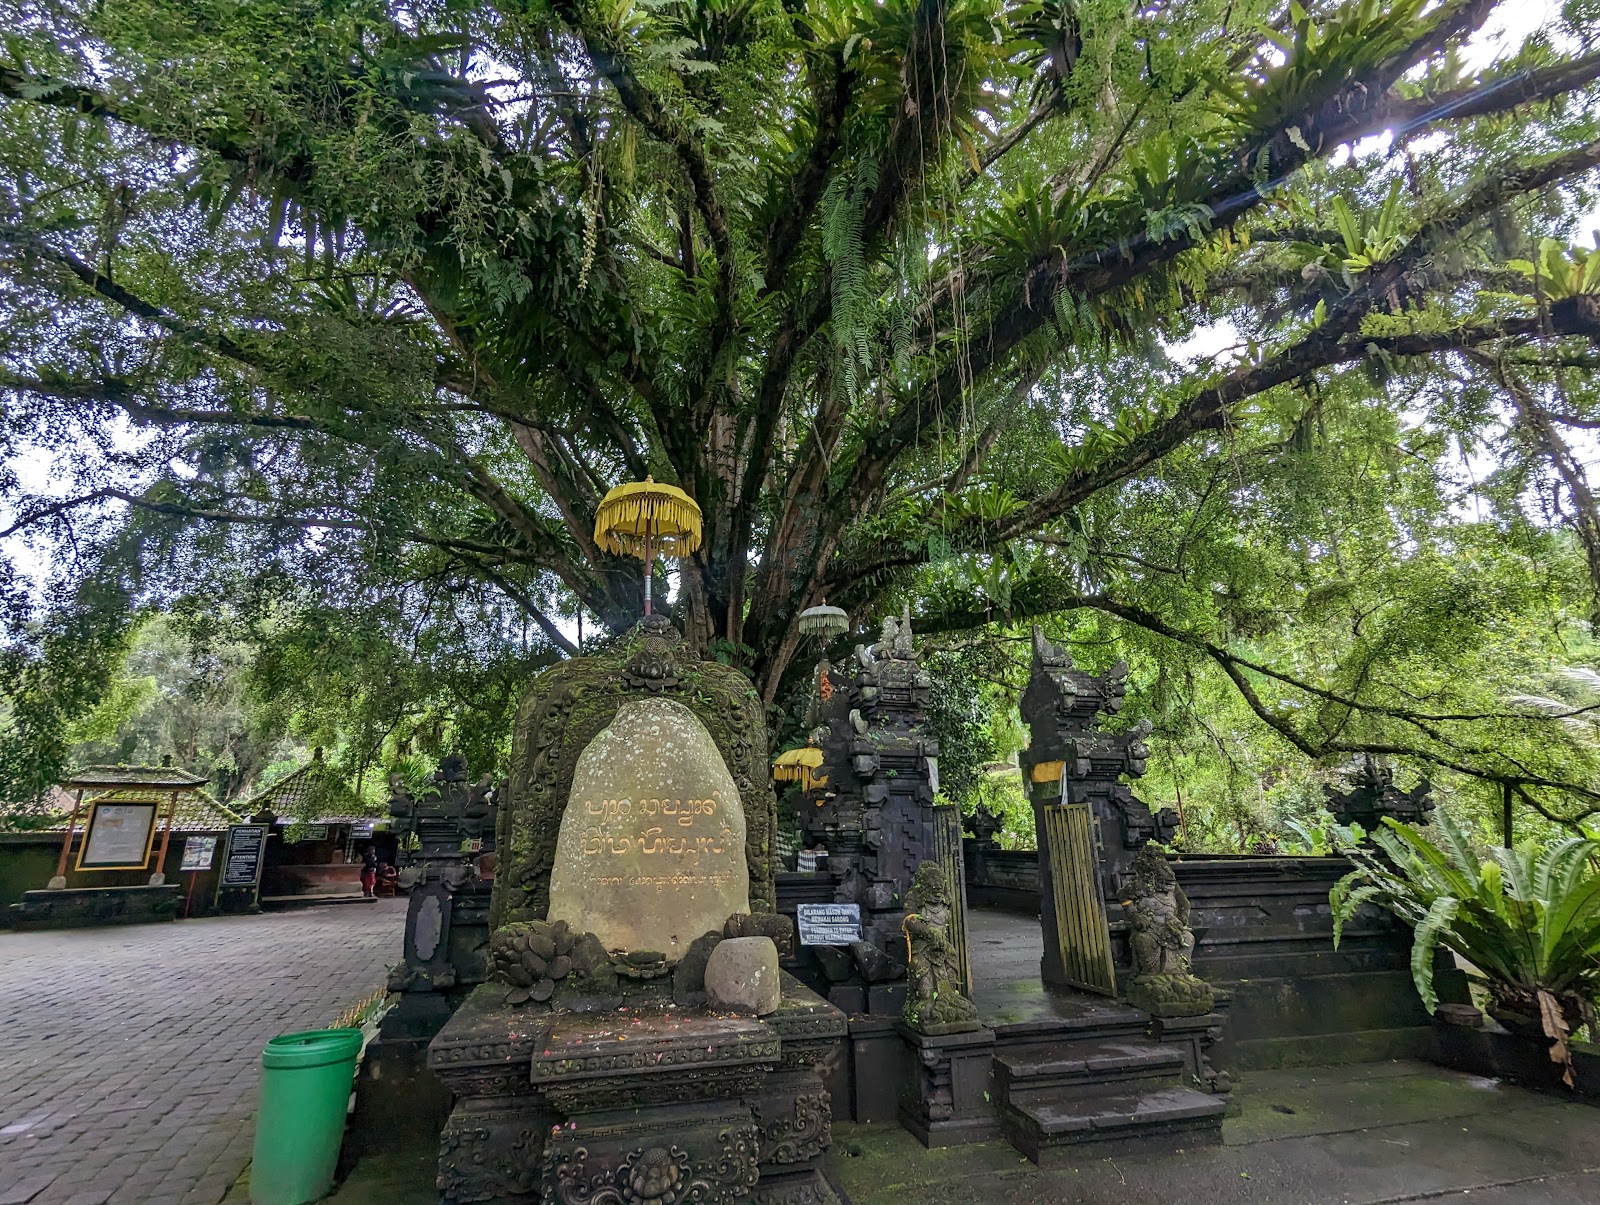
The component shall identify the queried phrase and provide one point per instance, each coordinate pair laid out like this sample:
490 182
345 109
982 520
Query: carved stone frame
567 706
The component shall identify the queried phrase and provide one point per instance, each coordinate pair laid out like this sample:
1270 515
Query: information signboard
241 867
199 853
119 837
828 924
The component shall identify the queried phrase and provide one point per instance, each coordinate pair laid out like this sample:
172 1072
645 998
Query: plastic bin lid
312 1048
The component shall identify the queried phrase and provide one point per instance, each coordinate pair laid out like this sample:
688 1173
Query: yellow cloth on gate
796 765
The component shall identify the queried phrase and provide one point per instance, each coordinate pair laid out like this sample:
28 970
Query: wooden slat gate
1082 935
947 848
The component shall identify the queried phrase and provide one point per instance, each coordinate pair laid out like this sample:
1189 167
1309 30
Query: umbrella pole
649 565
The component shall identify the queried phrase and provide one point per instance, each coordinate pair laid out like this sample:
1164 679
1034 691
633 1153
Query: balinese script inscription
683 810
615 827
651 850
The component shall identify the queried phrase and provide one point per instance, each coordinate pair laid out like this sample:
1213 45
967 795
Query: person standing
369 871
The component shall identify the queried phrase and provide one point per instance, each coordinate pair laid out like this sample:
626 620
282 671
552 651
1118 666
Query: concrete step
1049 1065
1078 1016
1112 1119
279 903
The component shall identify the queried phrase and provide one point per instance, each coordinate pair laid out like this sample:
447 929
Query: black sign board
828 924
242 865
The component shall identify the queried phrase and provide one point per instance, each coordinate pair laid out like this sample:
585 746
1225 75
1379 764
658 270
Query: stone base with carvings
946 1103
1196 1037
706 1152
622 1107
809 1187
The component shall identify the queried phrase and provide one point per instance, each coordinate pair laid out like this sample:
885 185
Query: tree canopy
348 313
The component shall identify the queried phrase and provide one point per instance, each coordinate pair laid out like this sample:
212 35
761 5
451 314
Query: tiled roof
198 811
167 778
313 790
35 815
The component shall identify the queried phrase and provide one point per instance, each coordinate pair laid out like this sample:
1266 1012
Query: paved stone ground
1368 1134
129 1056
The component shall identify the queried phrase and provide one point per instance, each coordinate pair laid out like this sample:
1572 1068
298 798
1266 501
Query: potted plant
1527 918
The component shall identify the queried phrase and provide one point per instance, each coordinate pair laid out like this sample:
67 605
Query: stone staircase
1069 1089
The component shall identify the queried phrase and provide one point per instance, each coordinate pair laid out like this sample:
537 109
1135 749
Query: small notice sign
120 837
199 853
828 924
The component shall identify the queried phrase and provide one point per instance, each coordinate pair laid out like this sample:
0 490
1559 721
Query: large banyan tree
349 293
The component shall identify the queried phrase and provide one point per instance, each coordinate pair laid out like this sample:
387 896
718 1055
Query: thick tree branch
1359 110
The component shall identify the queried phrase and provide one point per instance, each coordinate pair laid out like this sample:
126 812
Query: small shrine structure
121 826
874 806
636 1039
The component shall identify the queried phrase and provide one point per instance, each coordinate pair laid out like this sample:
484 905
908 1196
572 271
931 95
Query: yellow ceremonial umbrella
645 517
796 765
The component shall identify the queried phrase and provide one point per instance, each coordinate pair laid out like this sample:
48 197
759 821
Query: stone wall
1007 879
1264 938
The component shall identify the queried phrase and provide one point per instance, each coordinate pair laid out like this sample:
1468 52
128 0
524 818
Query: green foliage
335 319
960 711
1562 271
1528 918
1001 794
182 697
1314 58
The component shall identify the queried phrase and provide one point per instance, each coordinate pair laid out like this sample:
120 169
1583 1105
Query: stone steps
1115 1092
1046 1066
1112 1118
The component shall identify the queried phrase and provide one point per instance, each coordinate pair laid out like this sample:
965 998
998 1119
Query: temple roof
315 789
110 778
198 810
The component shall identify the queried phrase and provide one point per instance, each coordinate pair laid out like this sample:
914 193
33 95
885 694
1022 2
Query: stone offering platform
700 1105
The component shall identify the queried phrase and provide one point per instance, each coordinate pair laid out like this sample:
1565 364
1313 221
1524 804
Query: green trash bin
305 1094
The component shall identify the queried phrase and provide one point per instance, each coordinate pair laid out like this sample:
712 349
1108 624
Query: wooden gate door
1077 937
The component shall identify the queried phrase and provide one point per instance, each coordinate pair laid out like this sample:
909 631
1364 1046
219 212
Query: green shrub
1527 918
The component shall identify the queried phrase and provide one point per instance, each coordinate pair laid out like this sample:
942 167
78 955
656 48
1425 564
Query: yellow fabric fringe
1047 771
671 516
796 765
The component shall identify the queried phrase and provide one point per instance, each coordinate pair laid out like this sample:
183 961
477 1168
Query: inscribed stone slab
651 851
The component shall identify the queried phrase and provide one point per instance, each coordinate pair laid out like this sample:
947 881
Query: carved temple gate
1089 824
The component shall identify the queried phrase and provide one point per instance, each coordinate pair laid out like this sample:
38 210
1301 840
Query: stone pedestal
1196 1037
946 1102
879 1065
631 1106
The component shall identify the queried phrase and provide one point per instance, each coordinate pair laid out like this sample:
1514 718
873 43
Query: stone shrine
874 810
1373 795
637 1042
1090 824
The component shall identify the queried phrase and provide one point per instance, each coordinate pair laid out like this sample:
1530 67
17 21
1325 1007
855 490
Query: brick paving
129 1056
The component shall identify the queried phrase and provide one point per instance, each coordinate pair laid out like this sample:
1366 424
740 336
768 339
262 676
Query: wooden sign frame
153 808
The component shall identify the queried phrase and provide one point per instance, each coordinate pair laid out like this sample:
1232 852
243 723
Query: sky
1505 31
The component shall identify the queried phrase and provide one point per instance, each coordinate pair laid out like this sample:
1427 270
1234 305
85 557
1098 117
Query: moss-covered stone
567 706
